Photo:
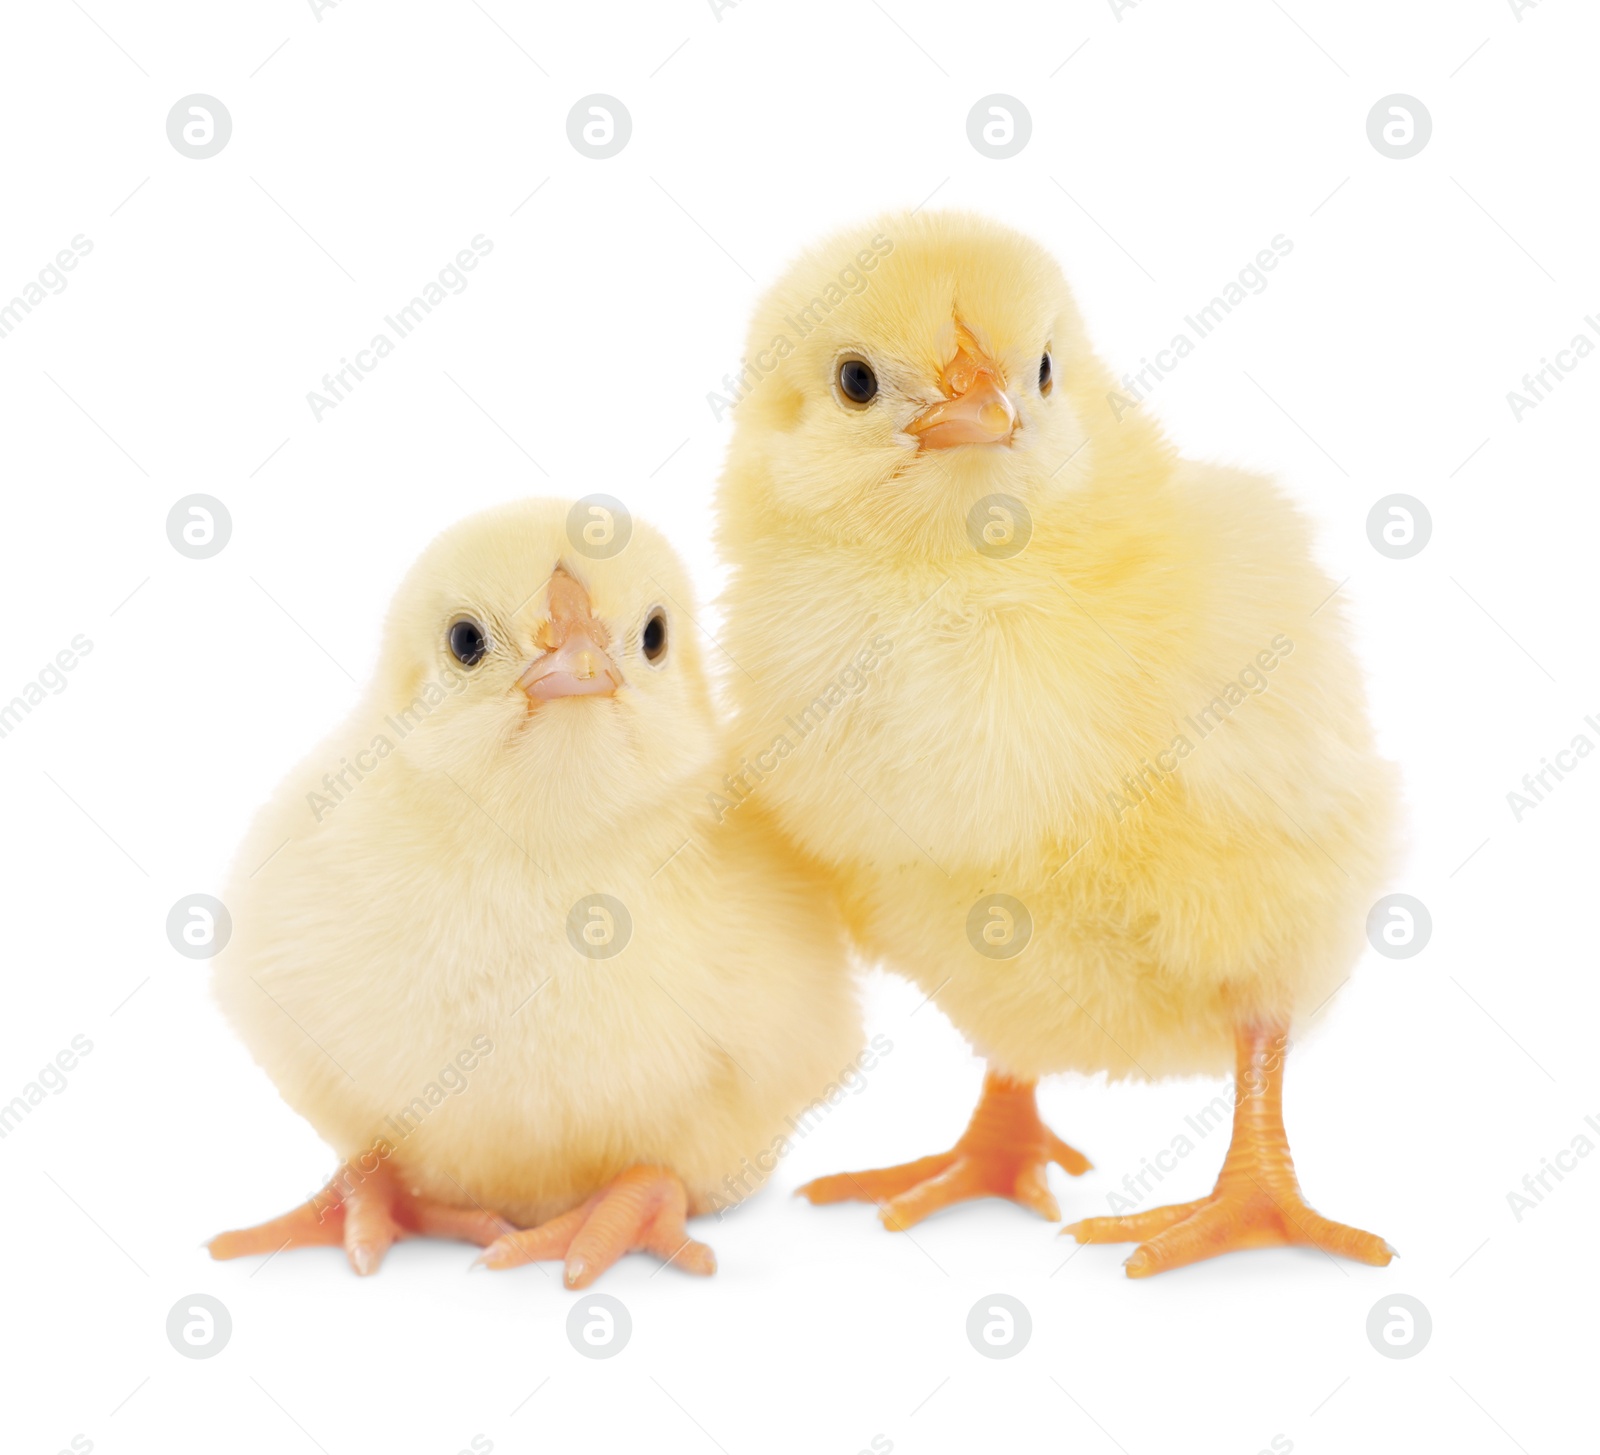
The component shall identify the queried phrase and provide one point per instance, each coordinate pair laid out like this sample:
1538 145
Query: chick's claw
1005 1152
366 1213
643 1210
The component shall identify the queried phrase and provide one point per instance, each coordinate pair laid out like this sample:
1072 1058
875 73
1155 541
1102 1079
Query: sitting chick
1109 795
489 942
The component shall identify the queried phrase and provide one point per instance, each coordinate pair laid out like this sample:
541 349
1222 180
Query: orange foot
641 1211
1257 1201
365 1212
1004 1152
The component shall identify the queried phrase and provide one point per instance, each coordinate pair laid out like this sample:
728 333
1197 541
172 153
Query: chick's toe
1005 1152
365 1212
643 1210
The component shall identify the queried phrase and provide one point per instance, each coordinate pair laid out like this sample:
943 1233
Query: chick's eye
654 639
1046 376
857 382
468 642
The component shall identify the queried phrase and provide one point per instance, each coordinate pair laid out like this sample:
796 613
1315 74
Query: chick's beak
575 662
976 411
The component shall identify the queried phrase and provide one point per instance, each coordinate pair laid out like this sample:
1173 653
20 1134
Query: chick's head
560 689
903 371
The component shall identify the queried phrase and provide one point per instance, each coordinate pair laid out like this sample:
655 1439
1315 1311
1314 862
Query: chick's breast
417 983
1103 800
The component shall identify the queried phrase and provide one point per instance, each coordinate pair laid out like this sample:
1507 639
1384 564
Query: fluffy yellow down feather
1145 726
401 965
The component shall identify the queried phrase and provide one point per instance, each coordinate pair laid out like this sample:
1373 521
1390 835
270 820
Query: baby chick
1100 778
490 943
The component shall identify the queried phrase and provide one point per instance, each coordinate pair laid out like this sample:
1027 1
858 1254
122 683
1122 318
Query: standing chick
489 942
1108 792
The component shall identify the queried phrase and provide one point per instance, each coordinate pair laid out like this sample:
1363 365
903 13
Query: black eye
468 642
654 640
857 382
1046 377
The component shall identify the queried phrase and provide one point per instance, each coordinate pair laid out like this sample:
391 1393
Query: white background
1170 144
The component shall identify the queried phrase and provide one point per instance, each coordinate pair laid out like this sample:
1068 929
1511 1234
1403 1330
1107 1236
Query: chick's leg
364 1212
1004 1152
1257 1202
643 1210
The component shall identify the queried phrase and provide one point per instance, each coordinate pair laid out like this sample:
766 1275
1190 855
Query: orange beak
575 661
975 411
